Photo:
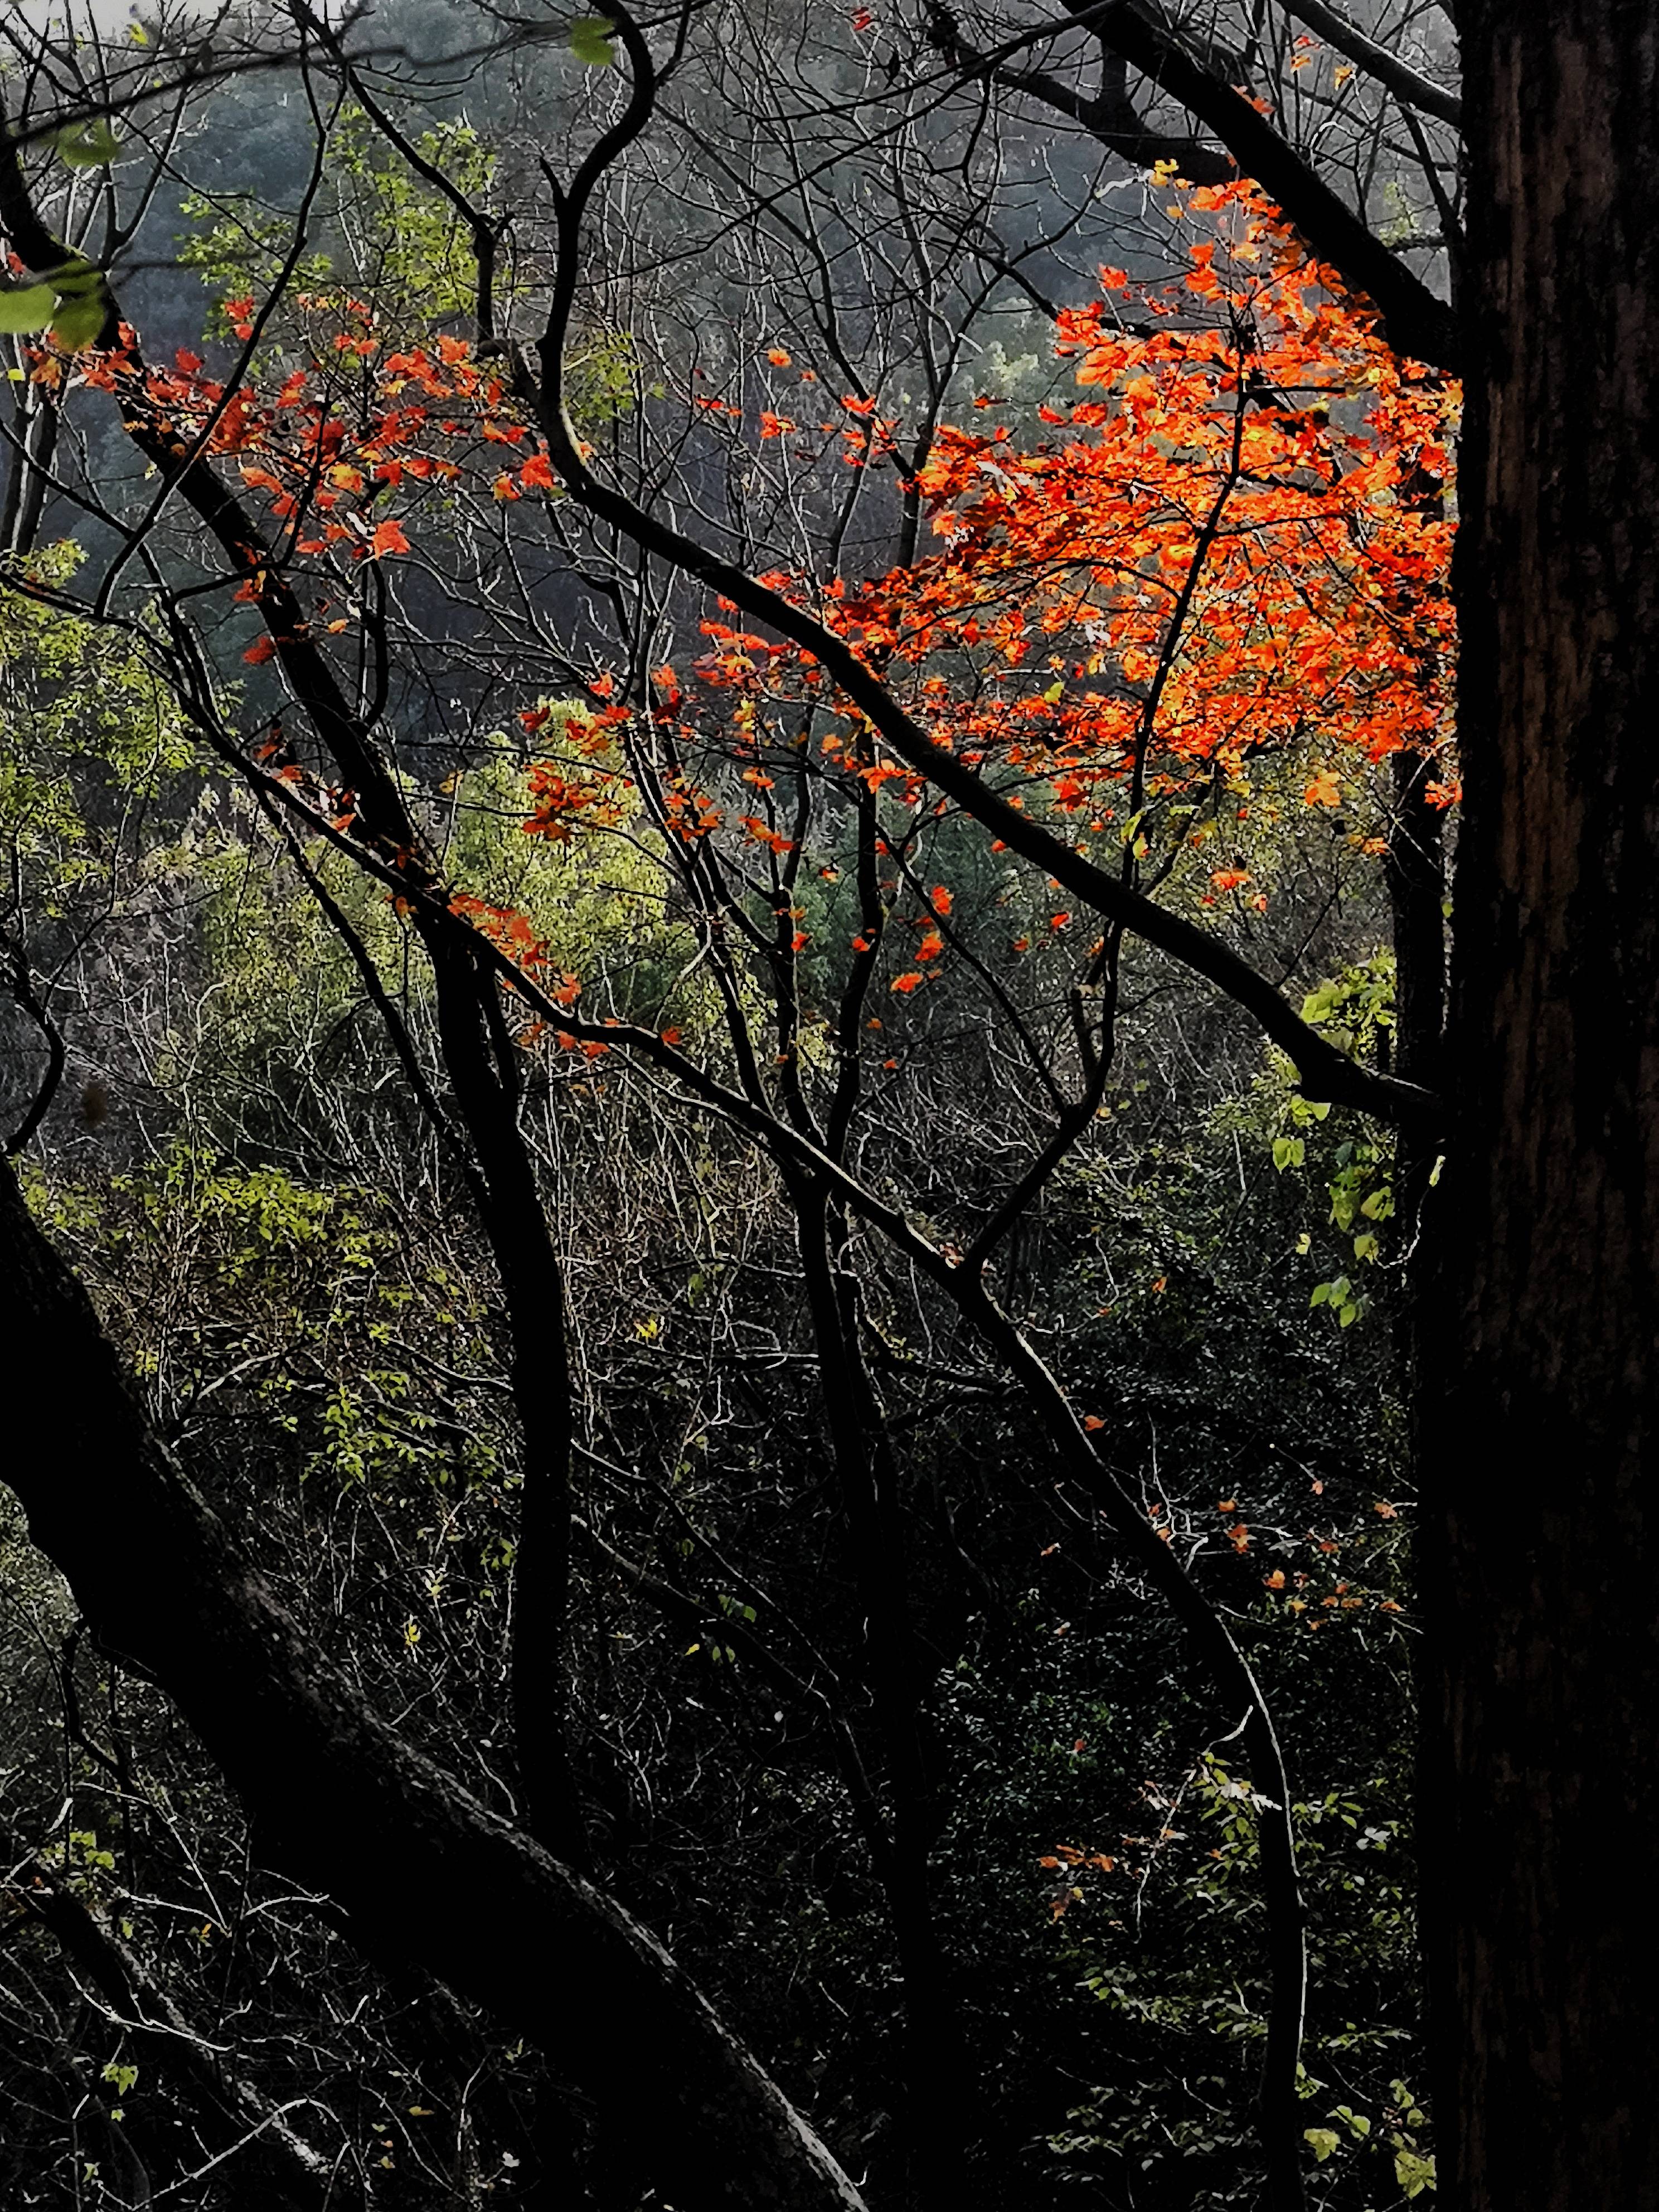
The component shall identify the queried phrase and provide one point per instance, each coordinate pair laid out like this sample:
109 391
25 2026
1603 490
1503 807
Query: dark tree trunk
1541 1407
934 2063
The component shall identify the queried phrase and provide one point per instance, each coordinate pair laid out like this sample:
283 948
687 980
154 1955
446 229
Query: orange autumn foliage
1240 547
1232 542
1236 545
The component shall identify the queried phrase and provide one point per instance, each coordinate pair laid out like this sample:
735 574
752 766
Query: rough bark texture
1540 1417
429 1877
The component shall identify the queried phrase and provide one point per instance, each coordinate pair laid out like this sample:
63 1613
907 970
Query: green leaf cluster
95 743
384 234
71 301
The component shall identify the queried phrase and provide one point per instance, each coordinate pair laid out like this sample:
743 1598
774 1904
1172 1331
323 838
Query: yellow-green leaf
26 308
87 145
79 323
74 278
1413 2172
590 40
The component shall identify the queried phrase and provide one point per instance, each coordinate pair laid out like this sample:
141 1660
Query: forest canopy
729 743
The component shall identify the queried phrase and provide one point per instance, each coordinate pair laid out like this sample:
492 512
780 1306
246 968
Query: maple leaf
763 835
388 538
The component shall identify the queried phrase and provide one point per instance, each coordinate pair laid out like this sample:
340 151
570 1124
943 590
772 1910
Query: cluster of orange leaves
338 441
1234 542
585 787
1237 546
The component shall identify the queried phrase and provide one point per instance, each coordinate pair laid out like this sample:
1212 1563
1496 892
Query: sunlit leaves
25 308
1232 548
1238 547
71 301
389 538
83 716
87 145
80 323
590 40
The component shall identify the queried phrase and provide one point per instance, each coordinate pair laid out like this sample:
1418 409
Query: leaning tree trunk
428 1876
1540 1409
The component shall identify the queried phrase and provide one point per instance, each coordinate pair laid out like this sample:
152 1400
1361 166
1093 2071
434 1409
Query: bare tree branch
1414 320
1391 69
